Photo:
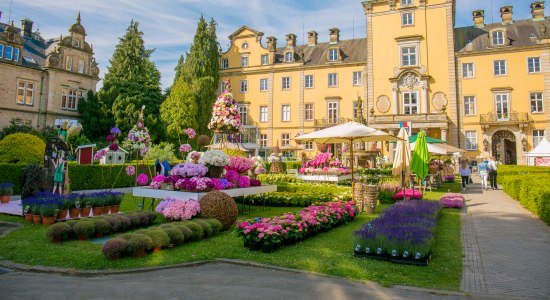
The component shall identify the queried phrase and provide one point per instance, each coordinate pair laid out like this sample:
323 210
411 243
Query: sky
169 25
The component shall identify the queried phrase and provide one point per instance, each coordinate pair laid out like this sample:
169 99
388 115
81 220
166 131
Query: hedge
515 170
292 199
11 173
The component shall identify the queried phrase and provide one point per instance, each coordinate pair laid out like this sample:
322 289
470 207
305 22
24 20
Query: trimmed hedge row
12 173
516 170
531 190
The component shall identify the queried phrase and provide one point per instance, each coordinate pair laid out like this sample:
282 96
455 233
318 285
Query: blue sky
169 25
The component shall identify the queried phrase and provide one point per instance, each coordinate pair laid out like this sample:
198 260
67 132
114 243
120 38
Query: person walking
492 167
483 172
465 172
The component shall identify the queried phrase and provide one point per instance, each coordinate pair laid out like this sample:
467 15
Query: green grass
329 253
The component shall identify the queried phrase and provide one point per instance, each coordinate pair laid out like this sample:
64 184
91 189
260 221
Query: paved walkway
506 247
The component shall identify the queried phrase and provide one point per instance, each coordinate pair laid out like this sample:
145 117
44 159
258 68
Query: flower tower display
137 142
225 114
276 161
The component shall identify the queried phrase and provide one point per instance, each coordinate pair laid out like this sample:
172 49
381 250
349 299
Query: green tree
96 115
133 80
179 109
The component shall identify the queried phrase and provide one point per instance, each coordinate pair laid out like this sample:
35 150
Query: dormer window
498 38
244 46
333 54
289 57
406 2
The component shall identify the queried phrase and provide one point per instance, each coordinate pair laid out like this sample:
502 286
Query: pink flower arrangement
130 170
408 193
320 160
243 182
195 156
185 148
155 185
231 175
324 171
239 164
142 179
190 133
189 170
225 115
100 154
167 201
201 183
181 210
452 200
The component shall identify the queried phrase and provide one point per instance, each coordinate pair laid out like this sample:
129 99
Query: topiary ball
84 229
159 237
220 206
59 232
114 223
115 248
125 222
151 215
176 236
206 228
203 140
22 148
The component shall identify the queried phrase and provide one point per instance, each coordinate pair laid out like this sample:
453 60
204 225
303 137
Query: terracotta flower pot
74 213
105 210
62 214
114 209
5 198
96 211
37 219
28 218
85 212
47 221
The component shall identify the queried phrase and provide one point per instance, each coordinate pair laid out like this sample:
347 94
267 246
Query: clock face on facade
383 104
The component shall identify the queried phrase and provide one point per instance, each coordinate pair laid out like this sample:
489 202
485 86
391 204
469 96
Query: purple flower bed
452 200
404 231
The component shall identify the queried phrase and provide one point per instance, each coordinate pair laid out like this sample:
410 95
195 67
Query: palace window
263 140
471 140
263 114
263 84
76 43
243 114
468 70
264 59
333 112
406 2
358 78
408 56
1 50
69 63
407 19
289 57
499 67
309 81
308 112
498 38
69 98
533 64
332 80
308 145
244 61
285 113
286 83
225 63
25 92
469 105
285 139
538 135
502 106
244 86
9 52
333 54
81 66
536 103
410 103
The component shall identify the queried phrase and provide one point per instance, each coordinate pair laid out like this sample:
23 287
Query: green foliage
276 178
528 185
91 177
32 180
84 229
59 232
179 110
22 148
11 173
291 199
162 151
79 140
519 170
96 115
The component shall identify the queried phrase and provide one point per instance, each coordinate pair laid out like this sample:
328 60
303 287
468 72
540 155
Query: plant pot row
38 219
395 257
74 213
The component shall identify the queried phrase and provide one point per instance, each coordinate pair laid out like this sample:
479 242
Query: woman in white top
465 172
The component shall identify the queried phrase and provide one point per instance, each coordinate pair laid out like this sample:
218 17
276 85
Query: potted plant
215 160
74 208
48 213
64 205
28 213
116 200
6 189
106 208
139 244
36 217
84 229
102 227
59 232
87 208
97 206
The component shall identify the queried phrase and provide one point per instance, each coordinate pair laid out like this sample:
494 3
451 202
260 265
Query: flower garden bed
404 233
292 199
323 177
452 200
269 234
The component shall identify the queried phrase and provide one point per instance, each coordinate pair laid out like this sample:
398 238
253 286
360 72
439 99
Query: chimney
312 38
26 27
537 10
479 18
291 40
506 15
334 34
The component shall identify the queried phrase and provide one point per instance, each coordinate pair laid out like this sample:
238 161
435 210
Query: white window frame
70 96
406 2
285 113
309 84
500 40
357 78
15 55
263 85
333 112
244 61
332 80
414 55
264 114
289 56
539 103
537 67
285 83
470 105
263 140
285 139
538 137
471 141
333 54
308 146
410 106
25 89
309 112
243 86
504 116
500 63
69 63
264 58
225 63
81 66
468 70
242 110
407 18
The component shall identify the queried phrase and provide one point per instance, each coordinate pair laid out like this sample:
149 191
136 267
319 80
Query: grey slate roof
520 33
351 50
35 48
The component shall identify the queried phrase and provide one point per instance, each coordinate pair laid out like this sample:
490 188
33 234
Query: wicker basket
214 172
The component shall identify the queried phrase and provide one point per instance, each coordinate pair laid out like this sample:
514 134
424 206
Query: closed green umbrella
421 156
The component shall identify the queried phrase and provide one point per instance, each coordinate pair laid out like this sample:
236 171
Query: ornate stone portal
504 147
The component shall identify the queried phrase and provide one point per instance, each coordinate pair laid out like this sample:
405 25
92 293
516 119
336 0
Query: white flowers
214 158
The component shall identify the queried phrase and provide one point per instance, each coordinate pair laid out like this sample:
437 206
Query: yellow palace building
483 88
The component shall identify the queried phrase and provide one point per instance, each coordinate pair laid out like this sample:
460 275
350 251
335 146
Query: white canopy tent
441 149
540 156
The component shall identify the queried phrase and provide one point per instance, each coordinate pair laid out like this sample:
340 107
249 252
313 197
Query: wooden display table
161 194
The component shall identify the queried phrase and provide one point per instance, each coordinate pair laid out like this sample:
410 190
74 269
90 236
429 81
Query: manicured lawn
329 253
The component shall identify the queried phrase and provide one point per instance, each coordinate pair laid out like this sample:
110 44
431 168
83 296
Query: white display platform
328 178
161 194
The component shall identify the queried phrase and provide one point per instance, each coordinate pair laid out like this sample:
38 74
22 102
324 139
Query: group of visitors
486 169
